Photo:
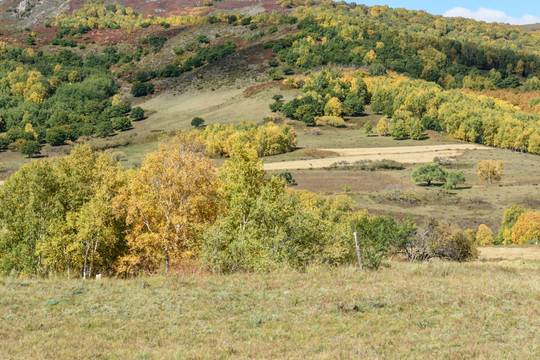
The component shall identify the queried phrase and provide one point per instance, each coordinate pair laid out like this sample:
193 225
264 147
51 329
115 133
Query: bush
378 235
121 123
4 142
452 243
276 106
203 39
178 50
197 122
287 176
275 75
334 121
142 89
372 165
137 113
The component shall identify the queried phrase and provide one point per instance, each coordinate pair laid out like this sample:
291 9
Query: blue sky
513 11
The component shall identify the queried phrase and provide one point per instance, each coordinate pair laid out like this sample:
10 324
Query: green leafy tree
306 113
197 122
428 173
24 218
368 127
416 130
104 129
56 136
398 130
378 235
353 105
30 148
121 123
142 89
510 217
137 113
453 179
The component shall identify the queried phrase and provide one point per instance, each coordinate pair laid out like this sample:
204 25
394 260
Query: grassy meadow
435 310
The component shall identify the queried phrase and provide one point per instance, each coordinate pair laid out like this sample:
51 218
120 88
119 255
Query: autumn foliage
527 228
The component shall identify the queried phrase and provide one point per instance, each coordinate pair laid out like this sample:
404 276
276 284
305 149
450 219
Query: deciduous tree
490 170
526 228
428 173
167 202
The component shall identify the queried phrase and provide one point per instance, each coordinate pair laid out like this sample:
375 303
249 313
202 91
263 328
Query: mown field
435 310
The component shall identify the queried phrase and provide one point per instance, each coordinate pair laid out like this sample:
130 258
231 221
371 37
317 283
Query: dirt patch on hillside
407 155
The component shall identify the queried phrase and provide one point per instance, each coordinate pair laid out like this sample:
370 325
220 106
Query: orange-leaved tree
166 203
526 228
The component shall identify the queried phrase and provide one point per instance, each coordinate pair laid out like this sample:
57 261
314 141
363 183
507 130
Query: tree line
411 107
83 214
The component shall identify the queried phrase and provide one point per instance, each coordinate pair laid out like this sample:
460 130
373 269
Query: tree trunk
166 259
358 251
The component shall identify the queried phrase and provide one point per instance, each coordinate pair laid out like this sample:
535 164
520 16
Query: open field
405 154
435 310
523 252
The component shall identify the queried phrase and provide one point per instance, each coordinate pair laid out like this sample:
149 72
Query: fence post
358 251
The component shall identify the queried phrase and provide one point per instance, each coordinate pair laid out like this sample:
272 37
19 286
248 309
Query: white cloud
490 15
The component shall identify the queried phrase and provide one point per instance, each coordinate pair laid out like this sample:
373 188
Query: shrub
178 50
275 75
121 123
203 39
197 122
276 106
444 161
452 243
334 121
137 113
368 127
372 165
377 235
142 89
287 176
4 142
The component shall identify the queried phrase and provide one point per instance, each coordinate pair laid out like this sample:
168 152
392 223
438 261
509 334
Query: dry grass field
405 154
435 310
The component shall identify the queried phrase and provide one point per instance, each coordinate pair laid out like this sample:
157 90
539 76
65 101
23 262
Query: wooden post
358 251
